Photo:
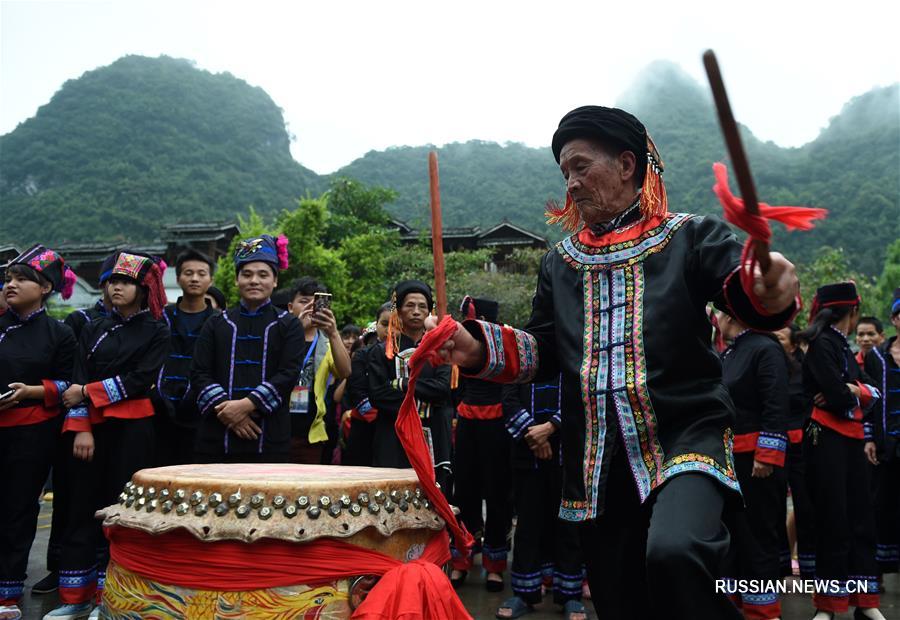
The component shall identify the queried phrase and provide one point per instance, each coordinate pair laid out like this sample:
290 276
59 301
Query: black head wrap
609 125
413 286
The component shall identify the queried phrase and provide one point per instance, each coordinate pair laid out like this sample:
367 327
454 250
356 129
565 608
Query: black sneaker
48 584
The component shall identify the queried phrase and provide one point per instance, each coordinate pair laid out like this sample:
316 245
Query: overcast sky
357 76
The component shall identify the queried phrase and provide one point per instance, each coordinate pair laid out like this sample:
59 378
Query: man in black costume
619 310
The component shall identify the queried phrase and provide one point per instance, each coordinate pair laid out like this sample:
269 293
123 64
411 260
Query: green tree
888 281
830 266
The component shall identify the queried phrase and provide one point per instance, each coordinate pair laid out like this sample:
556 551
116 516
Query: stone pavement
480 603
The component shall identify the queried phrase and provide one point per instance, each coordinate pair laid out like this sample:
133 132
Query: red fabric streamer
409 430
757 226
418 588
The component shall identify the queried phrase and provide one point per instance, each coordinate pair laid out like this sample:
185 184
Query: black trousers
886 484
659 559
359 444
60 500
804 515
839 484
541 538
121 447
26 453
174 443
757 532
483 472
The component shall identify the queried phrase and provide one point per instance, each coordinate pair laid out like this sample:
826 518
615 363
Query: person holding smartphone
37 355
325 362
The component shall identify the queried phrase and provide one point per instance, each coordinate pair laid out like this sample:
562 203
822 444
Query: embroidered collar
123 319
628 216
101 308
841 334
30 317
258 311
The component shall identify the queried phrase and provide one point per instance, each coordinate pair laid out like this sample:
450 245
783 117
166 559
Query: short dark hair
307 286
351 330
385 307
871 320
192 254
219 296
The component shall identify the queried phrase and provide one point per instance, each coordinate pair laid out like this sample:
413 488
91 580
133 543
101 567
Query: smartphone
320 301
6 395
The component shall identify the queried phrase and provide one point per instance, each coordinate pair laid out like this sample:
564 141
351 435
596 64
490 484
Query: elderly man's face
601 184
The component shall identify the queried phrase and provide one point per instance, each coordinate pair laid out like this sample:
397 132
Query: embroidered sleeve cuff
555 420
855 413
868 435
210 396
77 420
741 307
265 397
517 424
511 355
53 391
400 384
106 392
771 448
867 393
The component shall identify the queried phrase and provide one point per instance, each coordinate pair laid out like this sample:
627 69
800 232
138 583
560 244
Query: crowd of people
628 457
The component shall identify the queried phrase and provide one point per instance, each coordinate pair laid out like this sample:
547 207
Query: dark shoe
48 584
493 586
574 608
516 606
458 581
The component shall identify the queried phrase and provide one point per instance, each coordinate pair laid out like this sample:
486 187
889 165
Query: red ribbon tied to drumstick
409 429
756 225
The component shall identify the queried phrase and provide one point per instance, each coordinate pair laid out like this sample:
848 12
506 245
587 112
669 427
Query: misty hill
852 169
144 141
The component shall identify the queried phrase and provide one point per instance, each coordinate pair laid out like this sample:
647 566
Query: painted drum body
255 511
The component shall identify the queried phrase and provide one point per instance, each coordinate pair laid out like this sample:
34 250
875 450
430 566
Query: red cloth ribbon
418 589
757 226
412 437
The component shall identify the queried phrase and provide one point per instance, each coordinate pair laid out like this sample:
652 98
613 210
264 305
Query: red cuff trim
847 428
51 393
795 436
769 456
865 394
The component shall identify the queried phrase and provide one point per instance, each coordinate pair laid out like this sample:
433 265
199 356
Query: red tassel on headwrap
654 200
281 243
69 280
757 226
156 291
395 328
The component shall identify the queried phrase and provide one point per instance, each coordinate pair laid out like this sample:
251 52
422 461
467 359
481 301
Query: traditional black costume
248 354
118 362
545 549
34 350
837 470
884 429
755 371
175 399
619 310
388 379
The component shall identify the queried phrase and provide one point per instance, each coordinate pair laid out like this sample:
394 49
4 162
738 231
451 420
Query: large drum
258 540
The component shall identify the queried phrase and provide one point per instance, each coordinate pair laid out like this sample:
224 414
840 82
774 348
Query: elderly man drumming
620 311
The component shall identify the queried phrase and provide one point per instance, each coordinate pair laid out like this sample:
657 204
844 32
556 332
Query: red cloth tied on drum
415 590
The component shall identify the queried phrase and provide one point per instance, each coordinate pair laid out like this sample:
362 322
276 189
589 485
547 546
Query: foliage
141 142
889 281
146 141
830 266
